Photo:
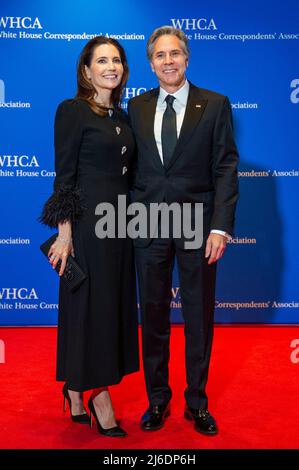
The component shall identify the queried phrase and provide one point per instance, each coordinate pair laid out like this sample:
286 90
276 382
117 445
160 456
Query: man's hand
215 247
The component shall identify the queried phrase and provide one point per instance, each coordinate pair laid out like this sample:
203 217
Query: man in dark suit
186 154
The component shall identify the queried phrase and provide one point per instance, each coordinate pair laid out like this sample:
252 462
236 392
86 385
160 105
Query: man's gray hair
162 31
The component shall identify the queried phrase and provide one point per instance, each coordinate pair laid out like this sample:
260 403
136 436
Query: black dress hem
75 388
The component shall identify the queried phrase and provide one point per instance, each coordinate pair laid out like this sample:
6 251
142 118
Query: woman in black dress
97 324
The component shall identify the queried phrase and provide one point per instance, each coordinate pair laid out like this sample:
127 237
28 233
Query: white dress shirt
179 105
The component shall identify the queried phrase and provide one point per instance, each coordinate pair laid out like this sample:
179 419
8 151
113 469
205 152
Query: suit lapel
194 112
148 120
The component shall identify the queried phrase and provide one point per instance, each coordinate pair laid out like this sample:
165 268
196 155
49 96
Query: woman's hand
62 247
59 251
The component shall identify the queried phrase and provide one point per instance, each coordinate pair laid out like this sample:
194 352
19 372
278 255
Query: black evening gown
97 324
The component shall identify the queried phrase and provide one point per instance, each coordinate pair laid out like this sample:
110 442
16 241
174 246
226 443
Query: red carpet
253 391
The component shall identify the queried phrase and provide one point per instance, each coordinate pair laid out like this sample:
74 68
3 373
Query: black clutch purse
73 275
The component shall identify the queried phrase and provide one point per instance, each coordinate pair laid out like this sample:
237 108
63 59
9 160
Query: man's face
169 62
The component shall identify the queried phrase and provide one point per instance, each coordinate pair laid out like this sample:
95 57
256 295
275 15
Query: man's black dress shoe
154 417
203 421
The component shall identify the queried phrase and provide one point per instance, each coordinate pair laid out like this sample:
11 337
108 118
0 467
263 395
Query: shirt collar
181 95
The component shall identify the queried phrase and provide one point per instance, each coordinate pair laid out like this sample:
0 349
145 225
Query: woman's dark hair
86 91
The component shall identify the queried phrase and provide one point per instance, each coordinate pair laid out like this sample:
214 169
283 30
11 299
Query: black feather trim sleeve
65 204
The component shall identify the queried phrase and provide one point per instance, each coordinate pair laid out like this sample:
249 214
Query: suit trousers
197 278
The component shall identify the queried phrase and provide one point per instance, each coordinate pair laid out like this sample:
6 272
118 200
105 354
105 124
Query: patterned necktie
169 131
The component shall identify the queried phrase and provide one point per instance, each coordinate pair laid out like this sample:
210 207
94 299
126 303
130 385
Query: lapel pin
198 105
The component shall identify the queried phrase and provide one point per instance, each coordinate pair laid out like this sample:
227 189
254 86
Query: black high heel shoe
83 418
116 431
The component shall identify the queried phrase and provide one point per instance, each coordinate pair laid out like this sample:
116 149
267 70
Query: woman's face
105 70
